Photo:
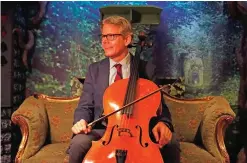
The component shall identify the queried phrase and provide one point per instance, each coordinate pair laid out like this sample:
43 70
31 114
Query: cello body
126 139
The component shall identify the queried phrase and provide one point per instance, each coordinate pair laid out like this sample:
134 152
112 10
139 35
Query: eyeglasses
110 37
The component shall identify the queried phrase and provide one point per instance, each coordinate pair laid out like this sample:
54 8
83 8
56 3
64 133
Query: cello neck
134 75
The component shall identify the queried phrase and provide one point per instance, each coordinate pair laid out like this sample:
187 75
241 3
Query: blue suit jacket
90 106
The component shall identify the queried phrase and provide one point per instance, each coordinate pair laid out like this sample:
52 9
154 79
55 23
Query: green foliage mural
67 42
194 41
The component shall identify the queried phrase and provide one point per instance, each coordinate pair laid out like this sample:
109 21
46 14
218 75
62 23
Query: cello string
130 94
132 89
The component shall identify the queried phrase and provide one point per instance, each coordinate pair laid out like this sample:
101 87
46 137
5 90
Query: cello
129 110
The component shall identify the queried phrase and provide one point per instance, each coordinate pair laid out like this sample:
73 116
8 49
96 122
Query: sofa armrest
32 119
215 120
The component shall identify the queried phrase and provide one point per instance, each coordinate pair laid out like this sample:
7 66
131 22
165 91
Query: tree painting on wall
194 40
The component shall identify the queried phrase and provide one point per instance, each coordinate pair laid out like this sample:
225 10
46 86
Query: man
116 36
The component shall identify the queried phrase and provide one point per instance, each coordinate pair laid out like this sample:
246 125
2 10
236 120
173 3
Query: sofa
46 122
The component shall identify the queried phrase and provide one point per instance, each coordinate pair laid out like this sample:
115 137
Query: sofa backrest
187 115
60 112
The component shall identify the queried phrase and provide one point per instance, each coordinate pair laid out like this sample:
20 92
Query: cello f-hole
140 137
106 143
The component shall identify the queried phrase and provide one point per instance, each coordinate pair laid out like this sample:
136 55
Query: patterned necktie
119 74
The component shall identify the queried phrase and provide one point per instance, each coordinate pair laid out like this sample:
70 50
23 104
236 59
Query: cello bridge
124 130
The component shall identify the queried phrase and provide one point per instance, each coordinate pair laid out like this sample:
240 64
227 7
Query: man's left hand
162 134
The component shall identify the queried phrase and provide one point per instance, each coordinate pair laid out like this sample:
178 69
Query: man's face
113 42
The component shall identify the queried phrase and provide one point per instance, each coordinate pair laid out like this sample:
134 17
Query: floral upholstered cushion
51 153
60 114
191 153
186 116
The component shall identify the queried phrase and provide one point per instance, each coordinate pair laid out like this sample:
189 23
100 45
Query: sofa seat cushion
51 153
56 153
191 153
60 116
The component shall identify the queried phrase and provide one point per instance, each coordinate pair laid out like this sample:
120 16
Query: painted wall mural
195 40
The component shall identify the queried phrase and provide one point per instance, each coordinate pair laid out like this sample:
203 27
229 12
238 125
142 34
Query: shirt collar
124 62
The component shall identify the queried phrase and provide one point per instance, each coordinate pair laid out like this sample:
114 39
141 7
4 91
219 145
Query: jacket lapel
104 74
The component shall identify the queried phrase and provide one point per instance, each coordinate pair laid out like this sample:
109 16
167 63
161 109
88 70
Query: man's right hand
81 127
